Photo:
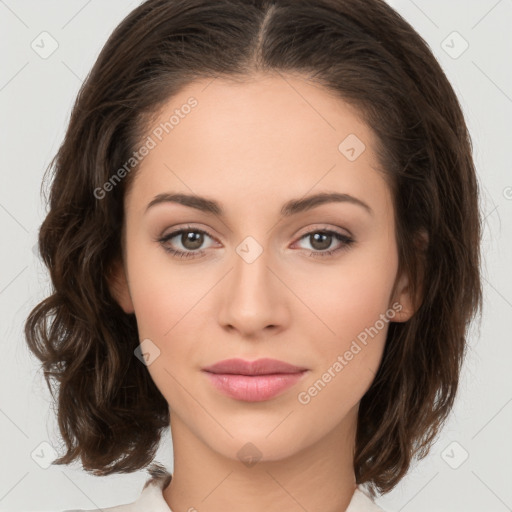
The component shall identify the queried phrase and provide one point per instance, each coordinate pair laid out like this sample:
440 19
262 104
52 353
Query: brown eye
192 240
321 242
185 242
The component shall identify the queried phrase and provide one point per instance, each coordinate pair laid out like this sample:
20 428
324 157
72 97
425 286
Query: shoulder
362 502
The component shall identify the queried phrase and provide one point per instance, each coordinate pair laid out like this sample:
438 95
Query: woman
263 233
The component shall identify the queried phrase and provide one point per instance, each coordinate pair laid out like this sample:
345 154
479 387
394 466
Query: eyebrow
290 208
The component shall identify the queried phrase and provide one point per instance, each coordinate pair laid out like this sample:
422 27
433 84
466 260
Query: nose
254 298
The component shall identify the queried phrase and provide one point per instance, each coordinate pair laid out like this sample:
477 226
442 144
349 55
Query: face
259 271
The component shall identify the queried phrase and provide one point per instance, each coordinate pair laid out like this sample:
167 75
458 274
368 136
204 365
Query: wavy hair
110 413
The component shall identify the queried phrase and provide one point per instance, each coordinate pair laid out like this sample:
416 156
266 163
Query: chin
252 445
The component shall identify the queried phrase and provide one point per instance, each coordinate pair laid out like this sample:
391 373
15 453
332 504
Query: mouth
255 381
254 388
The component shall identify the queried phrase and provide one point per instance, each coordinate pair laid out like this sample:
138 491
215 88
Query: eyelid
324 227
186 227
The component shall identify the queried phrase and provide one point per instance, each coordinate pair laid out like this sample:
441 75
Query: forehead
269 136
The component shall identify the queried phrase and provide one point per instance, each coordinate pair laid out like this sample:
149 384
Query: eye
190 239
321 241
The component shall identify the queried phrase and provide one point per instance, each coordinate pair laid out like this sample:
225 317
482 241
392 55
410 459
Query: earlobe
402 303
118 287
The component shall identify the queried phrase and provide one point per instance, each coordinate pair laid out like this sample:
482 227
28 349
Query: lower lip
254 388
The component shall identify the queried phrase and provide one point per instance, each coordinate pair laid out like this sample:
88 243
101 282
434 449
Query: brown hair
110 413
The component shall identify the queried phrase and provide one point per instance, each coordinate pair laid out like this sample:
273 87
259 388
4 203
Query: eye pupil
325 244
192 240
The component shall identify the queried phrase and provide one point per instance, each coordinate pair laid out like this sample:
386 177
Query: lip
253 381
263 366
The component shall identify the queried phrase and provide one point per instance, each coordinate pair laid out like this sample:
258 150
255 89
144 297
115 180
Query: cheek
169 306
163 293
347 361
352 313
346 298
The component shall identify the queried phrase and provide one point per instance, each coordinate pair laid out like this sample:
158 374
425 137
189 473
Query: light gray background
36 95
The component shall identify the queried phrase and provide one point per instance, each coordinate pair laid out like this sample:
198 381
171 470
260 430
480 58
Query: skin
253 146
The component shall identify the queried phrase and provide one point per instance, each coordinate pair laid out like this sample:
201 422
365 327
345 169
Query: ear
405 305
402 302
118 286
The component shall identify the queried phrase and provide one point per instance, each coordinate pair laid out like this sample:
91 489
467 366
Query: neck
317 478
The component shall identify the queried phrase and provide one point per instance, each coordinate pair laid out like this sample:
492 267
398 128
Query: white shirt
151 499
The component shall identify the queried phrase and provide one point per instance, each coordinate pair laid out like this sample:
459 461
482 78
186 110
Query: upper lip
264 366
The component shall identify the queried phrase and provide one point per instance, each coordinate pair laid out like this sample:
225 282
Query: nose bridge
251 278
254 297
251 271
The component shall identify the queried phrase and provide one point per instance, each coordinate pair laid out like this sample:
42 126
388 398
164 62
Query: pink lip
253 381
258 367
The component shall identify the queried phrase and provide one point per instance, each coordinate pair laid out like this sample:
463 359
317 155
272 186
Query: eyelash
345 239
